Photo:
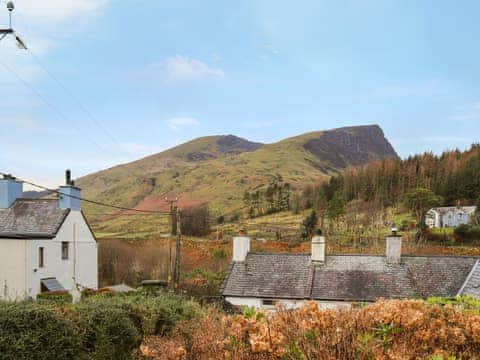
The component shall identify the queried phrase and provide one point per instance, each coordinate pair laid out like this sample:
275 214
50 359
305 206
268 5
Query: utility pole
173 231
176 275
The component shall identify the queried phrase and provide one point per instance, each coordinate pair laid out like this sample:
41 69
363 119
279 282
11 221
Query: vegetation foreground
143 326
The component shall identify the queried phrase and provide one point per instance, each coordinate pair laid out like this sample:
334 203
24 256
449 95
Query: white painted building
45 244
451 216
263 280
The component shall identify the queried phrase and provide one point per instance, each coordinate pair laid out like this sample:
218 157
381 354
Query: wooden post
173 231
176 275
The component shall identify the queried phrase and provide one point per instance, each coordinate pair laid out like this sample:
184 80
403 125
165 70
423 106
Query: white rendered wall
241 301
12 269
82 257
287 304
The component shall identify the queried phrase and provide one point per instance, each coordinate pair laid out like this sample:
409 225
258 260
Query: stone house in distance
451 216
263 280
45 244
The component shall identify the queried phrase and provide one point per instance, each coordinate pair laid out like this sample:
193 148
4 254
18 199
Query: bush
467 233
437 237
395 329
33 331
60 298
107 332
152 315
200 282
196 221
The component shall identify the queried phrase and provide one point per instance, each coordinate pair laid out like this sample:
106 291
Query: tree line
453 175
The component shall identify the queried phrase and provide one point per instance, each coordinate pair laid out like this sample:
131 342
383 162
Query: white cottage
263 280
451 216
45 244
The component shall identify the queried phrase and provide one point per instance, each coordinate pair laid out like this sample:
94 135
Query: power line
138 212
55 109
73 96
87 200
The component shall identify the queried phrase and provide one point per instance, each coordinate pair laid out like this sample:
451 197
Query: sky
109 81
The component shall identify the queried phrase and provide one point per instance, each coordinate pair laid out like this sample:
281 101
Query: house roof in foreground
348 277
32 218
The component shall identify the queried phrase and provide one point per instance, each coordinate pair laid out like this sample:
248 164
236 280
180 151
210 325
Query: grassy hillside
218 169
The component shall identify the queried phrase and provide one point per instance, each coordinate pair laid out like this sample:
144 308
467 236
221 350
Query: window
41 259
268 302
64 250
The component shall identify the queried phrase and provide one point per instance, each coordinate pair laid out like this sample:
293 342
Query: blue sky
158 73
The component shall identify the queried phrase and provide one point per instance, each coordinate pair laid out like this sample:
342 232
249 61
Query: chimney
394 248
70 194
10 190
318 248
241 246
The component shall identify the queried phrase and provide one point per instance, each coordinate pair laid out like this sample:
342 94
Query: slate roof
465 209
270 275
32 218
472 284
347 277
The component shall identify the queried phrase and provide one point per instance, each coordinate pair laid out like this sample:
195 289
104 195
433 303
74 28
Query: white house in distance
263 280
45 244
452 216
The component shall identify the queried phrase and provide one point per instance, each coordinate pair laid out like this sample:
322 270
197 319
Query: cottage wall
81 265
258 303
13 282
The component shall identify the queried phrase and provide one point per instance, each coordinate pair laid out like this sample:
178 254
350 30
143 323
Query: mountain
218 169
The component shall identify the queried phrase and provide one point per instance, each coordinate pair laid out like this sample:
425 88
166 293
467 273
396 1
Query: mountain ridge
218 169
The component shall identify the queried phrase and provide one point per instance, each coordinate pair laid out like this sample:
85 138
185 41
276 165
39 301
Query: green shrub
58 298
33 331
467 233
152 315
107 332
461 302
100 327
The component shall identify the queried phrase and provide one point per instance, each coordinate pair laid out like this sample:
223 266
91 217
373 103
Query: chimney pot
68 177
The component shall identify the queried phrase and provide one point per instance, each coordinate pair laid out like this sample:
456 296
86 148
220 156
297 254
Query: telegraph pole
173 231
176 275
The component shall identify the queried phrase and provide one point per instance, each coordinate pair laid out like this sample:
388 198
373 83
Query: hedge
58 298
99 327
32 331
107 333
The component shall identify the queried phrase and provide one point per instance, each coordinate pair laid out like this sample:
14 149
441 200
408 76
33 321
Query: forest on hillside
453 175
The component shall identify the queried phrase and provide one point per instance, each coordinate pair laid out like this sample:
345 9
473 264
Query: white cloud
183 68
178 122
